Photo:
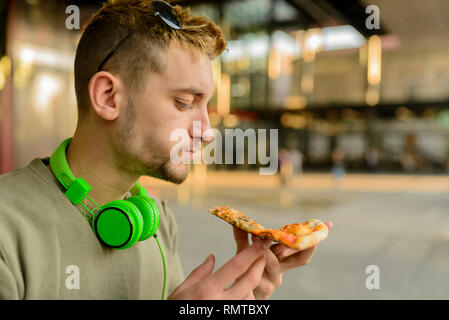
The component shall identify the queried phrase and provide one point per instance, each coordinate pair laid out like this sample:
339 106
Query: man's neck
91 163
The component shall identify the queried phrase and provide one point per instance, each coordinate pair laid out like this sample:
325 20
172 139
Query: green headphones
118 224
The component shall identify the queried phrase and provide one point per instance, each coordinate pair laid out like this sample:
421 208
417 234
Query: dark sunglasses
165 12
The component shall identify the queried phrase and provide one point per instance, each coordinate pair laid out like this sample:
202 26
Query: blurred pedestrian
372 159
297 160
285 167
338 166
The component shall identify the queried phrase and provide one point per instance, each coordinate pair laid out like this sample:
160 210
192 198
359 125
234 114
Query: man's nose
207 134
204 131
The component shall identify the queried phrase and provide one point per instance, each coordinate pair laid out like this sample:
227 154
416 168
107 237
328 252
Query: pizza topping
236 218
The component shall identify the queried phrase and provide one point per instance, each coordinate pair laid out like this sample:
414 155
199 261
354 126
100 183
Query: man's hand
243 271
279 259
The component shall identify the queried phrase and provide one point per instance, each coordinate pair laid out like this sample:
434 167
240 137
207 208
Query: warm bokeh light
46 87
224 95
374 60
274 64
295 102
313 43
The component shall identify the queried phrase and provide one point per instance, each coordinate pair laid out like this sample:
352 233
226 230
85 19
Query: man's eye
183 105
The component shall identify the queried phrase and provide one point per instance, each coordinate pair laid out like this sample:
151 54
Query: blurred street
398 222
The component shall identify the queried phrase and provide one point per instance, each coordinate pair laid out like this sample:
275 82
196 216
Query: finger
272 268
298 259
272 264
241 239
329 224
271 278
245 284
239 264
281 251
265 289
255 239
201 272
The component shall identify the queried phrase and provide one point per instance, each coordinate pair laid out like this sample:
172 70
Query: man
136 79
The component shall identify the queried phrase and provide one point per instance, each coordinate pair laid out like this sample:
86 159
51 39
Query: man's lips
190 153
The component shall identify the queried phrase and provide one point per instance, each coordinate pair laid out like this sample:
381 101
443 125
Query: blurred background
362 115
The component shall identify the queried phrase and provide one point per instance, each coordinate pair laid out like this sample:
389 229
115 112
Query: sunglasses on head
164 11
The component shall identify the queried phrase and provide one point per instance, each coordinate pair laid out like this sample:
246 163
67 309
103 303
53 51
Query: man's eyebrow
191 90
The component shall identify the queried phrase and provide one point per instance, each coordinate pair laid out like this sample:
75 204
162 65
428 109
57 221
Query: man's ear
105 91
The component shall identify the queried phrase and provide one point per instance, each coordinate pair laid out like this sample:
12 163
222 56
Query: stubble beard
158 166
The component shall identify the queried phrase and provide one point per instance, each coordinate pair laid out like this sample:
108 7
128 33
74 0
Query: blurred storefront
310 68
315 71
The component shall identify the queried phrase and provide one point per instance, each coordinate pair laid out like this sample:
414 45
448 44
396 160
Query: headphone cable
163 263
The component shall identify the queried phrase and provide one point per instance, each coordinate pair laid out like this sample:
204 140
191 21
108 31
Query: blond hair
140 39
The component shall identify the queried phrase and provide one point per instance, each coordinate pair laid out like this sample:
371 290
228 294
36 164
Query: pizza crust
299 236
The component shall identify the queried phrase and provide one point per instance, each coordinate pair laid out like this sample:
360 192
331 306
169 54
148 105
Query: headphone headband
59 165
77 188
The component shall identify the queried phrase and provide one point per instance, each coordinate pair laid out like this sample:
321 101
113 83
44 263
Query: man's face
171 100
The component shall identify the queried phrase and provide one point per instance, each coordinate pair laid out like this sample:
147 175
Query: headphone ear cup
150 215
118 224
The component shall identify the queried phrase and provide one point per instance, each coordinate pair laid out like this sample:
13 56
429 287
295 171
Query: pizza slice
296 235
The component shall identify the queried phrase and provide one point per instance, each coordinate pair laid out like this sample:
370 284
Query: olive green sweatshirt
49 251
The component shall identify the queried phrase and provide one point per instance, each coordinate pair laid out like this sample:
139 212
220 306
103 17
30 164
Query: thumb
202 271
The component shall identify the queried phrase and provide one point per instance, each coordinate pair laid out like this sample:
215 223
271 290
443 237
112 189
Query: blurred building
37 96
310 68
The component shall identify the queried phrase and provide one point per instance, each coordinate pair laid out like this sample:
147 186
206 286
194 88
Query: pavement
399 223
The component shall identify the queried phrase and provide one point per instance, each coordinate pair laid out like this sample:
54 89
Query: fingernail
208 258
